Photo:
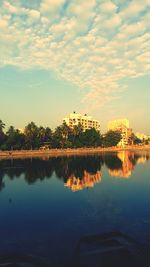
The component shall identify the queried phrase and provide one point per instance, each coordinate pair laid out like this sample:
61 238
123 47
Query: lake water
48 204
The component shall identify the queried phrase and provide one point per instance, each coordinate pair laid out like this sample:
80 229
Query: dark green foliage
113 163
111 138
90 138
2 135
15 140
35 137
61 136
135 140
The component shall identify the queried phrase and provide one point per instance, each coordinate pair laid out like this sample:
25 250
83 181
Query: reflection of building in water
88 181
142 159
127 166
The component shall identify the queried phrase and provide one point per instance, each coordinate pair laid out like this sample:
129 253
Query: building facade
115 124
87 122
121 125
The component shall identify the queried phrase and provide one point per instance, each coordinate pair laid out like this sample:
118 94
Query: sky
88 56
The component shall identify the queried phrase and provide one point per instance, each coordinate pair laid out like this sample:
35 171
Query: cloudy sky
92 56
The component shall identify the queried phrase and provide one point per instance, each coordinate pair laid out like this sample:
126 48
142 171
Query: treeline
35 137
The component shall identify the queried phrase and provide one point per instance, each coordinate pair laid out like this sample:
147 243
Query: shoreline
68 152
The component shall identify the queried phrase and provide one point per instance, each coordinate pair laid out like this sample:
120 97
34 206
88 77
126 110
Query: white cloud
134 8
113 21
3 23
108 7
51 5
133 29
93 45
10 8
34 14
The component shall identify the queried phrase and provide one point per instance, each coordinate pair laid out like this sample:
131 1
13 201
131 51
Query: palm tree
77 130
41 134
2 135
31 135
2 126
61 134
11 130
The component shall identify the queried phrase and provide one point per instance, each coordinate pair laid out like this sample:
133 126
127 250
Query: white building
115 124
87 122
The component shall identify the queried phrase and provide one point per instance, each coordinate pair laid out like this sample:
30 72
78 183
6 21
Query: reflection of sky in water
43 216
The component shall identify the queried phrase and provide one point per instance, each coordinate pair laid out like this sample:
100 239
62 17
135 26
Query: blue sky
90 56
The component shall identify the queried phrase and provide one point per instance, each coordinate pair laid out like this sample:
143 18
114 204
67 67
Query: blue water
43 210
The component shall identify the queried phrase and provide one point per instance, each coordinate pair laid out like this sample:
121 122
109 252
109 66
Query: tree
111 138
2 135
48 135
61 136
91 138
15 139
2 126
78 129
41 134
75 135
45 136
32 136
135 140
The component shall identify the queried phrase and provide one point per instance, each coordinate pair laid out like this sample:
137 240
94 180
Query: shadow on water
25 260
109 250
101 250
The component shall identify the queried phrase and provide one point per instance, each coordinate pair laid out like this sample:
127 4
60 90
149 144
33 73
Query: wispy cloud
93 44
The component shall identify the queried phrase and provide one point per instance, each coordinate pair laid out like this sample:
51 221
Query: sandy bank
67 152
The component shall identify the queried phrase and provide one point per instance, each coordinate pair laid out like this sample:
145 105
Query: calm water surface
48 204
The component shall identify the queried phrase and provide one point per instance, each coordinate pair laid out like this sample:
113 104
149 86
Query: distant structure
142 136
121 125
113 125
86 121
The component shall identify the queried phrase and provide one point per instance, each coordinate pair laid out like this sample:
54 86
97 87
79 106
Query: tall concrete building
86 121
116 124
121 125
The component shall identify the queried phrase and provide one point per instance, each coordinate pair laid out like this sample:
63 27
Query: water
48 204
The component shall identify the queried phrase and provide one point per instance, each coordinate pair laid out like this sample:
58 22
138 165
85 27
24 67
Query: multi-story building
115 124
87 122
121 125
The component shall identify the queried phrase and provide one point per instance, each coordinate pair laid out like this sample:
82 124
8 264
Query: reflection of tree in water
66 167
2 173
112 162
2 185
33 169
37 169
136 158
76 166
